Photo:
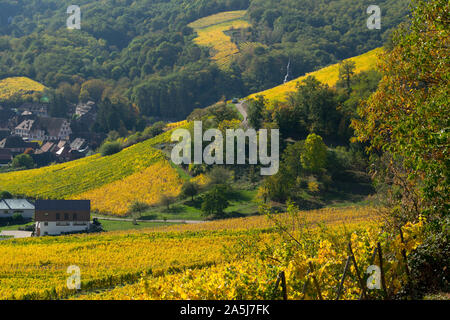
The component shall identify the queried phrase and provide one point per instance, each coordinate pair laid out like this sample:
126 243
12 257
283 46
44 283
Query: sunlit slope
35 268
211 33
328 75
18 86
70 179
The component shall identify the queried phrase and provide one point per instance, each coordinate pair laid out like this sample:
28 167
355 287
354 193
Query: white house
9 207
44 129
55 217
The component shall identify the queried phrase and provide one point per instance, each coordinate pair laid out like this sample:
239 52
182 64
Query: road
242 108
140 220
16 233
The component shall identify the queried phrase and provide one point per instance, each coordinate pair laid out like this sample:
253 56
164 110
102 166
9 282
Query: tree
166 200
255 112
136 210
109 148
346 71
314 155
190 189
219 175
406 120
215 201
23 161
5 195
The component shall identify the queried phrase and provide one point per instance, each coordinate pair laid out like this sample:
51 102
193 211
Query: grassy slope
23 86
328 75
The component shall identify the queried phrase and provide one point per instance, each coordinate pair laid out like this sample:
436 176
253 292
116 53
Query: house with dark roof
16 145
9 207
56 217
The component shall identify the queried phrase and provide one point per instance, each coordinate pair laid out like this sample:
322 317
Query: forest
142 52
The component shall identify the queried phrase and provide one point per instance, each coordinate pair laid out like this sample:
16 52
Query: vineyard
211 33
18 86
328 75
229 259
104 180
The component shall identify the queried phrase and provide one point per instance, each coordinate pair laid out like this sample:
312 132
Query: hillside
92 177
19 87
328 75
212 32
159 54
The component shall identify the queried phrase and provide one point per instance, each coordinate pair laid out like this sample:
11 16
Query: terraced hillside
211 33
328 75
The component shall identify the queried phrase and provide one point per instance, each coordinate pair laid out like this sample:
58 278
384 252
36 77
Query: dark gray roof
51 205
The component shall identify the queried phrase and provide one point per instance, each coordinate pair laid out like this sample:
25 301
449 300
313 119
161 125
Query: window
5 212
45 223
57 216
74 216
45 233
66 216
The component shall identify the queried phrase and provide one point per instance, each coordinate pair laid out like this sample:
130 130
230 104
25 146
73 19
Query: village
30 130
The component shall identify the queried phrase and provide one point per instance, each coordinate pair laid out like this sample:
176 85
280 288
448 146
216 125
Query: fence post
361 284
341 284
283 285
316 283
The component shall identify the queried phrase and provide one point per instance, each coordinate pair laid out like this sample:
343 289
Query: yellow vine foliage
145 186
211 33
22 86
328 75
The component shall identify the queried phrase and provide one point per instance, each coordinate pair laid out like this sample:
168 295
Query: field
213 260
211 33
18 86
94 177
328 75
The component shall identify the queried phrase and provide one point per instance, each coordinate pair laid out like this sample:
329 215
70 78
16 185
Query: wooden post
404 254
341 284
316 283
283 285
383 280
361 283
281 277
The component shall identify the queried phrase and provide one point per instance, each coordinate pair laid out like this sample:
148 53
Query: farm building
9 207
55 217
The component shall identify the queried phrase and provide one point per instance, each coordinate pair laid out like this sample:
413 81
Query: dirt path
16 233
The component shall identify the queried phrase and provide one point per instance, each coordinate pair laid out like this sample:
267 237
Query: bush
17 216
429 265
23 161
5 195
109 148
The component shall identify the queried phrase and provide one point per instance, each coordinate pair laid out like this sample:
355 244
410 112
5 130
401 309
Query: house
9 207
16 145
55 217
5 157
44 129
40 110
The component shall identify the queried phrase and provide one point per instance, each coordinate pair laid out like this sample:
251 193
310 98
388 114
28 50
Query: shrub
190 189
17 216
109 148
23 161
5 195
